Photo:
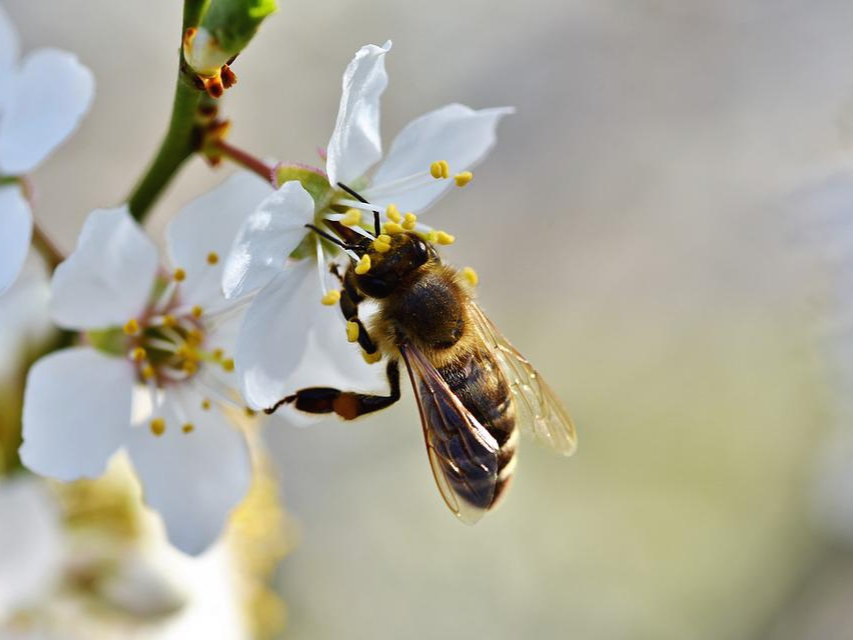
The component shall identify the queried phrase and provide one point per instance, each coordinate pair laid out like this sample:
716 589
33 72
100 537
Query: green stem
183 137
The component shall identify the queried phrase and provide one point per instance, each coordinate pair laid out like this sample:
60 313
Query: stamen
189 427
439 169
445 238
471 276
463 178
147 372
381 246
331 298
158 426
392 228
179 275
410 221
393 213
363 265
250 413
131 327
351 218
212 258
228 365
355 204
138 354
321 264
205 404
197 311
170 321
352 331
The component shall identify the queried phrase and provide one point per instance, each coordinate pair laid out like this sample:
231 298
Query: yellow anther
371 358
442 237
445 169
217 354
179 275
331 298
138 354
205 404
212 257
431 236
228 365
197 311
435 170
351 218
195 337
463 178
158 426
384 237
363 265
190 367
131 327
352 331
189 427
147 372
392 228
393 213
250 413
471 276
170 321
381 247
410 221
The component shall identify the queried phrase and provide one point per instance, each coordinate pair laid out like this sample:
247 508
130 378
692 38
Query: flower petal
10 49
51 93
192 479
356 145
30 560
16 226
209 224
274 334
108 278
76 412
267 238
455 133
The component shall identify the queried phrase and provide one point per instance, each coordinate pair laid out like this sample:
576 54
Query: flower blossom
274 255
42 99
169 332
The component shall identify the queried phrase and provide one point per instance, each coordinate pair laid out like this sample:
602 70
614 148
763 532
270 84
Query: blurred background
649 231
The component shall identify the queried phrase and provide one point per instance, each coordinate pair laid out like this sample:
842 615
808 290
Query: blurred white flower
42 99
31 544
414 174
171 333
24 316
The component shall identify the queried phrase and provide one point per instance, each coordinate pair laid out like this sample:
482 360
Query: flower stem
183 137
222 149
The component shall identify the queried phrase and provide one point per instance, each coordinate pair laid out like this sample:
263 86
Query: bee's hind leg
347 404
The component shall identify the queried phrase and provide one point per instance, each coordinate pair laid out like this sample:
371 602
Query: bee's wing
462 453
538 410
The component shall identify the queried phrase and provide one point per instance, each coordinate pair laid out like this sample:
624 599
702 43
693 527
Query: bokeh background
636 236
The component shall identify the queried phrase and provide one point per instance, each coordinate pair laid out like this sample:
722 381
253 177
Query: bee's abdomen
483 390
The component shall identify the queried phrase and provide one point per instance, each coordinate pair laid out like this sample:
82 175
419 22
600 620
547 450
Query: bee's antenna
334 240
377 227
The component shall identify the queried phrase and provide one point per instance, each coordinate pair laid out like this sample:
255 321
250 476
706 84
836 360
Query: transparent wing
538 410
462 453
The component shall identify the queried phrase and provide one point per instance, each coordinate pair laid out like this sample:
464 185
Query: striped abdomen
482 388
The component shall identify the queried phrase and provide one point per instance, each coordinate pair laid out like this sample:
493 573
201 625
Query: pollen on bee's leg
371 358
331 298
363 265
158 426
470 276
352 331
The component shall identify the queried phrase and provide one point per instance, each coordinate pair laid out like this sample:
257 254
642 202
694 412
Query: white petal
16 226
52 92
274 334
30 544
192 479
210 224
455 133
76 412
10 48
108 278
355 145
24 320
267 238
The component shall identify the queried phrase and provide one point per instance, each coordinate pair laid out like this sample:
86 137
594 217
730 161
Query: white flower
31 545
414 174
42 99
171 332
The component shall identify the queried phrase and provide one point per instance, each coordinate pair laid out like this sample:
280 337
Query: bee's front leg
347 404
350 299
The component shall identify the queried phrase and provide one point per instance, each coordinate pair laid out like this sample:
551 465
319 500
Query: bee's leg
347 404
350 299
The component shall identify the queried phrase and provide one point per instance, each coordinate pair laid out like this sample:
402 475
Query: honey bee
474 390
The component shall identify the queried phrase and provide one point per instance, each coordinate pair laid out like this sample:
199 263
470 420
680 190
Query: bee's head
391 260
